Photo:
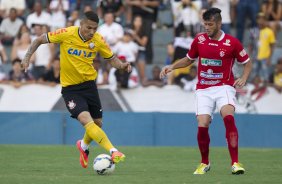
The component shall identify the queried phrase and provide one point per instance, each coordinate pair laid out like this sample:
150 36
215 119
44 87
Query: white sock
113 150
83 145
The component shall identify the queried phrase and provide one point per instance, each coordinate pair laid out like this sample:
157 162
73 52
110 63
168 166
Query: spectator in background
224 5
74 17
170 54
20 48
190 81
265 44
114 6
273 12
102 72
186 16
3 59
155 79
58 8
52 76
44 54
23 29
181 45
127 47
10 27
110 30
147 10
121 79
6 5
276 77
39 16
139 37
245 9
17 77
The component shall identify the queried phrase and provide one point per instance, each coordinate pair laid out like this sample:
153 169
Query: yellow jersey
77 55
278 79
266 37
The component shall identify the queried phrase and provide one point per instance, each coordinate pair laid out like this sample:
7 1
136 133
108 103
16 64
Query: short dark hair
212 13
91 15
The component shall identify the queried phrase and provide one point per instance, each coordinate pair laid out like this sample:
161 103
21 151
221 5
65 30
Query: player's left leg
227 108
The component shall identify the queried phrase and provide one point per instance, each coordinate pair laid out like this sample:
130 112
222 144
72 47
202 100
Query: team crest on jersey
201 39
227 42
71 104
91 45
221 53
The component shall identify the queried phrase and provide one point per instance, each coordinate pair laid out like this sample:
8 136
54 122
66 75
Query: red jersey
216 59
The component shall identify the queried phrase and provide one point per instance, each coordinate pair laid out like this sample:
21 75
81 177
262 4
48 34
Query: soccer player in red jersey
216 53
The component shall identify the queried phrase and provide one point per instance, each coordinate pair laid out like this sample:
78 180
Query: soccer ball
103 164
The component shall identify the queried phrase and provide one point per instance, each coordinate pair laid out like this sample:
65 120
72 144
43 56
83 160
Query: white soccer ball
103 164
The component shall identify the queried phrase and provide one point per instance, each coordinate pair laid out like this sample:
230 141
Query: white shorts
208 99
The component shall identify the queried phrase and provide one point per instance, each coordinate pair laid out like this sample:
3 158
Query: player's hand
165 71
126 66
25 64
240 82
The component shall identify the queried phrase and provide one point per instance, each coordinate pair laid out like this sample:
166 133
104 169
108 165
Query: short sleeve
272 37
104 49
58 36
240 53
193 53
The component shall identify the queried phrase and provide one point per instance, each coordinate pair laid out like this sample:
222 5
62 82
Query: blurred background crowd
147 33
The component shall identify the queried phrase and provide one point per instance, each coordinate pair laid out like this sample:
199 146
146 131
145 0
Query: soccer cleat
237 168
83 158
117 156
202 168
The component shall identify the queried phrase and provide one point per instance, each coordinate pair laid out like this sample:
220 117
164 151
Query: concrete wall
139 129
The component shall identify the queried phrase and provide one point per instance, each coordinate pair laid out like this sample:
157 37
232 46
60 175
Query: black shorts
83 97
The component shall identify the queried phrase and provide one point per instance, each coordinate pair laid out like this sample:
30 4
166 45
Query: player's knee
98 122
84 117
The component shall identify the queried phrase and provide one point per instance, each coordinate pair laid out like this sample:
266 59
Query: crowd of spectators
127 26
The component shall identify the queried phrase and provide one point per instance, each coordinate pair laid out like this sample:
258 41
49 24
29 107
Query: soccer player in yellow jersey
78 48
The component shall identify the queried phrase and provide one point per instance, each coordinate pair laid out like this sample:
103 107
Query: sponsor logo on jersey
211 62
81 53
201 39
210 75
59 31
206 82
213 44
227 42
243 53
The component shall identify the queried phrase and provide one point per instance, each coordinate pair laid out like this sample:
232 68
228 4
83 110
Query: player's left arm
242 58
240 82
32 48
118 64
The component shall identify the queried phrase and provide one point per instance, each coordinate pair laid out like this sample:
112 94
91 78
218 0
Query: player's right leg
204 109
202 168
84 152
99 136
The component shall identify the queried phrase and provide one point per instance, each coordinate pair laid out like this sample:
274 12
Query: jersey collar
80 35
221 36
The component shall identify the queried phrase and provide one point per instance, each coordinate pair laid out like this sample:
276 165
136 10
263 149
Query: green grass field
27 164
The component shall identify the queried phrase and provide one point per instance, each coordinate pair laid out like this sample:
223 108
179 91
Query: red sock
203 142
231 137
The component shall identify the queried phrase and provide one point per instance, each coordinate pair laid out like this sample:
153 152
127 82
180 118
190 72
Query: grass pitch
26 164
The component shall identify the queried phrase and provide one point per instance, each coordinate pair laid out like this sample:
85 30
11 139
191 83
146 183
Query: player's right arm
32 48
182 63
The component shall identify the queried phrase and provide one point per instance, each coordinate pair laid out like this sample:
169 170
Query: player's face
88 29
212 27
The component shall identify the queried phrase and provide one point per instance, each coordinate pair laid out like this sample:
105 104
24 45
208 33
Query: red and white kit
215 77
